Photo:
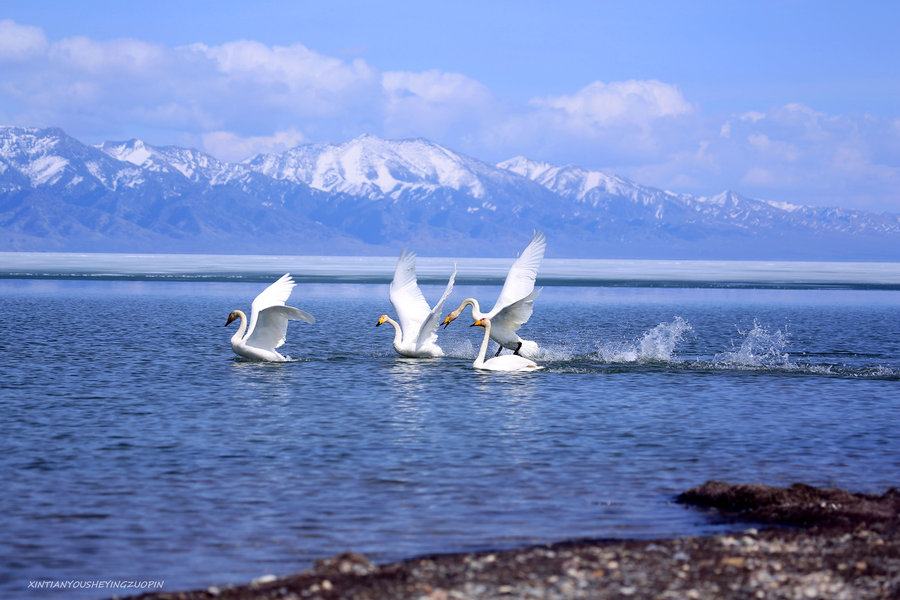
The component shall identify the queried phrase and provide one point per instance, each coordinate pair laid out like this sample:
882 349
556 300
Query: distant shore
814 543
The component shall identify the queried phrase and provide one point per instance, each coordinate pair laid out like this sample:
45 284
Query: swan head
479 323
451 317
381 320
233 316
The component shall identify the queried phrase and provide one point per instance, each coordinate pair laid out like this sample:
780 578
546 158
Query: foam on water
655 345
759 348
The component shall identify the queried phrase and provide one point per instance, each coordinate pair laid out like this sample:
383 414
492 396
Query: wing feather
514 315
271 326
274 295
406 297
520 279
429 327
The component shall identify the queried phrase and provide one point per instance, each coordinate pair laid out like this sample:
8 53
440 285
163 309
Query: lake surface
137 447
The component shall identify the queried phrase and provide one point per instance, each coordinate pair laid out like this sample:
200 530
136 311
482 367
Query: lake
137 447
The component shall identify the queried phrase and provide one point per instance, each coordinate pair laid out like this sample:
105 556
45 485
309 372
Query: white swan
515 303
507 362
268 322
414 335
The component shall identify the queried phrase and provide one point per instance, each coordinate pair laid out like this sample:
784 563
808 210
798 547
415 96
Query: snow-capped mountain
194 165
370 195
369 166
603 190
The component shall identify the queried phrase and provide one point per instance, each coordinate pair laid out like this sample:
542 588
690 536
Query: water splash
459 349
656 345
759 348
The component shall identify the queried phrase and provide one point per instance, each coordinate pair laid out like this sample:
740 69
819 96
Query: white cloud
107 57
20 42
429 103
602 124
229 146
434 87
774 149
619 103
295 66
753 116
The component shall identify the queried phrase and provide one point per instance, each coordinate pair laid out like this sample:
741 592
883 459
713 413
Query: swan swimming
515 303
414 335
507 362
268 322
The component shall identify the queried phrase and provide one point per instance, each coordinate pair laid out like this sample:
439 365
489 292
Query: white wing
515 315
426 333
406 297
274 295
271 328
520 279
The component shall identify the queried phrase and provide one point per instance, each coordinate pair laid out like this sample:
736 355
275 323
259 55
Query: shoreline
815 543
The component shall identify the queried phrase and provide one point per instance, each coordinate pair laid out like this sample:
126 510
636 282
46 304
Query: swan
414 335
268 322
507 362
515 303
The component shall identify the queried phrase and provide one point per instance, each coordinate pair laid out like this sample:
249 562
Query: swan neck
242 328
476 310
482 352
398 333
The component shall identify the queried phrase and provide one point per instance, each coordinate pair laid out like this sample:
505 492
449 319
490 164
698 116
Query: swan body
507 362
515 303
268 323
415 335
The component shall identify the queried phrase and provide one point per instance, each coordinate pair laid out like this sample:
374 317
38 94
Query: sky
791 100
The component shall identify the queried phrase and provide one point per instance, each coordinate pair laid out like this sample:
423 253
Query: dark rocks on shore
798 505
835 545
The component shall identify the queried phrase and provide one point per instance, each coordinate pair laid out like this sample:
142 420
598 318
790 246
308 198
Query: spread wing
271 326
515 315
406 297
520 279
274 295
427 332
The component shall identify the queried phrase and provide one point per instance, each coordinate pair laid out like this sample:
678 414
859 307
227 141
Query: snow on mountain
369 193
194 165
571 180
605 191
370 166
50 158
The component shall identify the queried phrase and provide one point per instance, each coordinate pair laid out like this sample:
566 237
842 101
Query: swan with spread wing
415 335
268 323
514 304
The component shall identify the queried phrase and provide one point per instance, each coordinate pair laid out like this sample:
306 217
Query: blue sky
795 101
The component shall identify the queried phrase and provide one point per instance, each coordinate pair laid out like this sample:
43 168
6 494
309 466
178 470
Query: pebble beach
810 543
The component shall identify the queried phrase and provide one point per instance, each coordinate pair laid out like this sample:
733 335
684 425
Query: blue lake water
136 446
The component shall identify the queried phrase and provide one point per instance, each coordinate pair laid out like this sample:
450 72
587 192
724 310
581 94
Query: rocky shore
811 543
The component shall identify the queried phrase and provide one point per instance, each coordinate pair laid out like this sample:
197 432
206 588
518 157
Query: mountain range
371 196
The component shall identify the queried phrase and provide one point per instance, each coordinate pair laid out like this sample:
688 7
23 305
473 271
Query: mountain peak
133 151
526 167
569 180
370 165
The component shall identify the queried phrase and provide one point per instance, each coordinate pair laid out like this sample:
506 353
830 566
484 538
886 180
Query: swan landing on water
515 303
414 335
268 322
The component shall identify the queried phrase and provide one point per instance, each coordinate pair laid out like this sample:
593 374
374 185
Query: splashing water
656 345
759 348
